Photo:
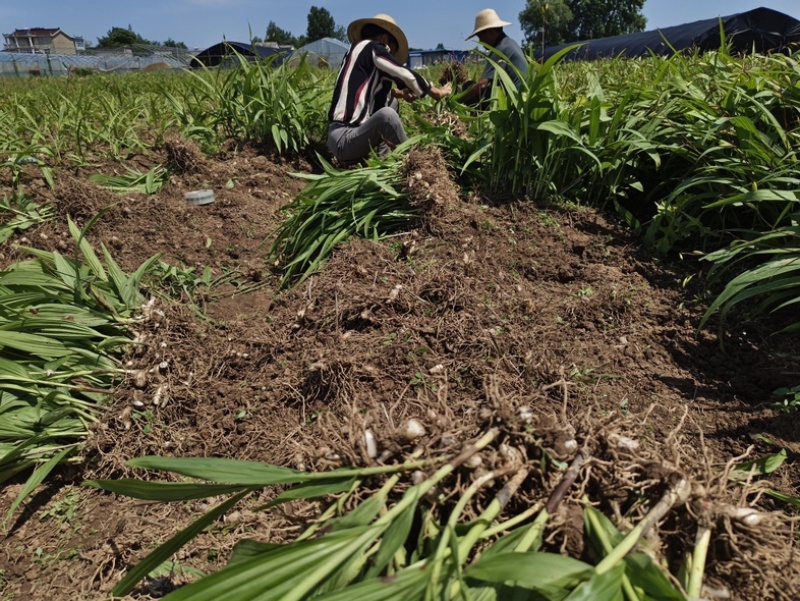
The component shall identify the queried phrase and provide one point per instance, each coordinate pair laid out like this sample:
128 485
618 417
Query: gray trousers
382 131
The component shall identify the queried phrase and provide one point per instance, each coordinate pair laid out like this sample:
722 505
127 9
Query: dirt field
548 323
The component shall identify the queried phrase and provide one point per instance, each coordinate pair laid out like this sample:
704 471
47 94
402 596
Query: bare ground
548 323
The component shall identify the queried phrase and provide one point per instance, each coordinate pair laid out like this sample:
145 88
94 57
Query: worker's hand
405 94
439 93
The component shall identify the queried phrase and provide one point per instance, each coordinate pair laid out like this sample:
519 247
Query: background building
229 53
41 40
422 58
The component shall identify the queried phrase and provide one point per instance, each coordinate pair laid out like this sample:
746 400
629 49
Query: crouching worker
504 51
364 114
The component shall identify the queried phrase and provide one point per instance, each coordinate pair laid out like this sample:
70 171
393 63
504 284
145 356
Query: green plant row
62 322
337 205
393 545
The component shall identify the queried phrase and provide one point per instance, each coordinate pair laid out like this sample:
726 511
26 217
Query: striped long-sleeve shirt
365 81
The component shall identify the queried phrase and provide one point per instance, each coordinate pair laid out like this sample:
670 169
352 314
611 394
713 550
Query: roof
101 63
35 32
326 44
212 56
762 29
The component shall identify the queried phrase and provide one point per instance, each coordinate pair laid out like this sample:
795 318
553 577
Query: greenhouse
326 52
762 29
18 64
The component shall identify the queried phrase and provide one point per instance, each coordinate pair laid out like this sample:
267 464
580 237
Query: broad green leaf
65 270
279 574
788 499
87 251
646 575
230 471
542 572
41 346
35 479
487 593
609 533
508 542
311 490
246 549
601 587
395 536
165 551
130 293
362 515
169 569
406 585
163 491
762 466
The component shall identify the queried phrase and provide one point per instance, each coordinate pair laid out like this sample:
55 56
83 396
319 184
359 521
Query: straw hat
384 22
487 19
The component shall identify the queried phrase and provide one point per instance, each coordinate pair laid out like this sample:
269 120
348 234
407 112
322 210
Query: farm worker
504 51
363 114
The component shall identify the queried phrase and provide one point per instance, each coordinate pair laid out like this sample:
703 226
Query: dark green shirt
506 47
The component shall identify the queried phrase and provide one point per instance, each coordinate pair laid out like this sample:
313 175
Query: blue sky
201 23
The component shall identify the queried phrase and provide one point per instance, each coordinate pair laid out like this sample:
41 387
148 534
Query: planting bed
546 323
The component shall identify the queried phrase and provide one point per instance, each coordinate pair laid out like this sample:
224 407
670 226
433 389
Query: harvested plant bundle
336 205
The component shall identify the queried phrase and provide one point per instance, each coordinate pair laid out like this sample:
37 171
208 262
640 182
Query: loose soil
549 323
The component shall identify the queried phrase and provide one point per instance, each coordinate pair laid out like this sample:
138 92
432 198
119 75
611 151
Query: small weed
791 400
64 510
47 559
588 291
547 220
420 380
179 281
314 416
134 180
146 417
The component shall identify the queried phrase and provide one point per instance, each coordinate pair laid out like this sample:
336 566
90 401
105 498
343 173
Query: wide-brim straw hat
384 22
487 19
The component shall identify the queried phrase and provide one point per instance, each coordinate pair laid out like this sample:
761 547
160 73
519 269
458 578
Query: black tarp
216 54
762 29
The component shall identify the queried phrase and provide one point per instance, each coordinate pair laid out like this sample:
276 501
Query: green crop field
699 156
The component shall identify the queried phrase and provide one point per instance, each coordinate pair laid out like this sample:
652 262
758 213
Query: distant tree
602 18
340 33
547 20
320 24
281 36
576 20
440 46
119 36
173 44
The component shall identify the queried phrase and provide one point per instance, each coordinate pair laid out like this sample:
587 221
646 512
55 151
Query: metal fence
16 64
